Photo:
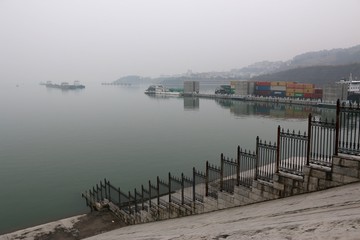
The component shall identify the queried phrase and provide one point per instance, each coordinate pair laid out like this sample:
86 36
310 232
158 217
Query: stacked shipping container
287 89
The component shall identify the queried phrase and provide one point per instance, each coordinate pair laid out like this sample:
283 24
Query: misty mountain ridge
319 67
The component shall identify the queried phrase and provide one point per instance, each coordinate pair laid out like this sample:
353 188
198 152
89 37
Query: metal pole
278 151
309 141
238 167
257 158
337 127
221 172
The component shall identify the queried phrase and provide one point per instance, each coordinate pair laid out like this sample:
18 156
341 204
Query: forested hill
318 75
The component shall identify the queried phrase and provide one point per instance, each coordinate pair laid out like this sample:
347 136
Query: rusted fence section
289 153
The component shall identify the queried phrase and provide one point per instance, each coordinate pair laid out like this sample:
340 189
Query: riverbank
78 227
329 214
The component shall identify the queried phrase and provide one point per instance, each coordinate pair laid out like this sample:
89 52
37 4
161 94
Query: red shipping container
262 83
317 96
308 95
262 93
318 90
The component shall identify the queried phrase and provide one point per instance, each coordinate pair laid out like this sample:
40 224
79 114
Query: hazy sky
102 40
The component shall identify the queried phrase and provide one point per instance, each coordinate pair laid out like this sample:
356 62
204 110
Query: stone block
288 181
335 184
337 178
255 184
256 197
336 161
268 195
350 163
348 179
313 181
307 170
279 186
318 174
276 192
256 191
276 177
280 179
268 188
312 187
350 172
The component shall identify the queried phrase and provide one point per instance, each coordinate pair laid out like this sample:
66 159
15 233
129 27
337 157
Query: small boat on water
65 85
161 90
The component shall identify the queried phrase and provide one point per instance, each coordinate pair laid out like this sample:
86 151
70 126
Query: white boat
160 90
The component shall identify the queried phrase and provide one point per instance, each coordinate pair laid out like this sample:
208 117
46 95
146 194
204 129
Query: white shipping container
278 88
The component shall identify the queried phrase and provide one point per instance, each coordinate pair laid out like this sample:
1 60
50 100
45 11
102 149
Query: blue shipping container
278 93
262 88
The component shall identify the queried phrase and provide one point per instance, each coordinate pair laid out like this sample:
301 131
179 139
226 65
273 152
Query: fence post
337 127
221 172
142 197
257 158
309 141
129 205
149 194
158 189
194 184
97 192
182 188
135 200
119 193
109 191
238 167
278 150
207 179
106 193
101 190
169 187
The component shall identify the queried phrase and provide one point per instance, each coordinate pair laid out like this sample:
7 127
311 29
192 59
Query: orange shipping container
309 85
290 85
299 86
299 90
289 94
309 90
278 83
290 90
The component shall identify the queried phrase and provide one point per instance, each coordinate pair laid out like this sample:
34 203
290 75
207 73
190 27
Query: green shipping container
298 95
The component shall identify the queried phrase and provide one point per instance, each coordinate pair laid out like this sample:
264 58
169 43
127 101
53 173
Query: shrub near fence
290 154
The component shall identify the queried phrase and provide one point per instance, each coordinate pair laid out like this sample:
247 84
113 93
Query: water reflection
274 110
191 103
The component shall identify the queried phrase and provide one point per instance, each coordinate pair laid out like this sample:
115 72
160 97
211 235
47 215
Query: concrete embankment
328 214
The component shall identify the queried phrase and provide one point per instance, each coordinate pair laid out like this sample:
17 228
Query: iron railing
289 154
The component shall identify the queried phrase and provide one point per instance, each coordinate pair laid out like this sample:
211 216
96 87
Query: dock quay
295 101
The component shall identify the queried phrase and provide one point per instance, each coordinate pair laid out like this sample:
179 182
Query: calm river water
56 144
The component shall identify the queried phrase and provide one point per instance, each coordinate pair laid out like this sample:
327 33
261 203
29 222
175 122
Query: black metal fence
266 160
348 128
290 153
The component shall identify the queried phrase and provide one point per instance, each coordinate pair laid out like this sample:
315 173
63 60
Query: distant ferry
65 85
161 90
353 87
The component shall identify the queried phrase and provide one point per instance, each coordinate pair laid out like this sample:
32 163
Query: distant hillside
133 79
327 57
318 67
318 75
339 56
